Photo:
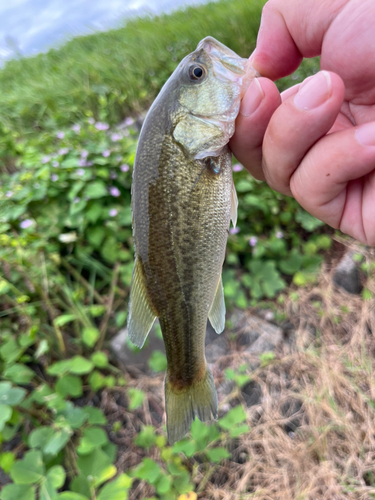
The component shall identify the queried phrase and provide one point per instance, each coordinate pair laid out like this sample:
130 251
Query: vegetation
74 423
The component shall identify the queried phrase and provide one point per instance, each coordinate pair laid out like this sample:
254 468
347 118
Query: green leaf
96 464
136 398
163 484
146 438
11 395
217 454
96 236
7 459
157 361
95 189
238 431
30 470
64 319
90 336
292 264
56 476
17 492
69 385
76 365
92 438
39 437
234 416
80 365
99 359
75 416
117 489
187 446
57 442
307 221
96 416
70 495
5 414
59 368
81 485
149 470
10 351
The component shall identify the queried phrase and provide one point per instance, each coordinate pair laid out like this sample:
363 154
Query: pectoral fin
217 311
234 205
140 315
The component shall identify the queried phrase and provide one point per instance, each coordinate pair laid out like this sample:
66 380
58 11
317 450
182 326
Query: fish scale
182 201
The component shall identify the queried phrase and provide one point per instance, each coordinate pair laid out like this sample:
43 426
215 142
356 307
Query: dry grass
312 432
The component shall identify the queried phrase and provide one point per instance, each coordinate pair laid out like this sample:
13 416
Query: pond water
31 26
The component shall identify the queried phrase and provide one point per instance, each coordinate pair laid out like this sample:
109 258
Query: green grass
121 70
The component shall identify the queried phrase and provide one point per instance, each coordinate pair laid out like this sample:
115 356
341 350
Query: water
30 26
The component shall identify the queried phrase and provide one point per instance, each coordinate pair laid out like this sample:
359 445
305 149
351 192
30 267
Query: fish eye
196 72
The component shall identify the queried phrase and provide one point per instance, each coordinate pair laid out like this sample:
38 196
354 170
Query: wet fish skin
182 202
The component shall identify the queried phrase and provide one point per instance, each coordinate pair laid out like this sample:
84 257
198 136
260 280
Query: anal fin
140 314
217 311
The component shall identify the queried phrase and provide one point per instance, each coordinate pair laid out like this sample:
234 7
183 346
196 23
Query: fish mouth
227 64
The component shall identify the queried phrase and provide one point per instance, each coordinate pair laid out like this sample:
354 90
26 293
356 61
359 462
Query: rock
252 393
347 275
131 356
259 335
216 345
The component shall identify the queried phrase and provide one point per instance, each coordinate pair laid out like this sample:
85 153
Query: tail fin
181 406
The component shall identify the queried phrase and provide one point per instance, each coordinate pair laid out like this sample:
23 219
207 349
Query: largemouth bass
183 198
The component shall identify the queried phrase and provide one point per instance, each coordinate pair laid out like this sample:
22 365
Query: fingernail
365 134
314 92
252 99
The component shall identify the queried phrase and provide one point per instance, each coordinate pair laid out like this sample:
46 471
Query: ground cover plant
77 425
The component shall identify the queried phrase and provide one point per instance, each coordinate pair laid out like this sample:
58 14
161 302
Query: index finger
289 31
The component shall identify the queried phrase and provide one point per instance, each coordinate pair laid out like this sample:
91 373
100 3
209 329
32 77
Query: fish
183 199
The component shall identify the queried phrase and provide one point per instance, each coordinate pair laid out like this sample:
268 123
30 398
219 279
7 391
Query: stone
131 356
258 335
347 275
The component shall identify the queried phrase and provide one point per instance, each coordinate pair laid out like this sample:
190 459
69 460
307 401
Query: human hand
316 143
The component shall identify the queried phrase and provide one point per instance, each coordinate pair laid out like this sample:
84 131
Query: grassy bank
119 71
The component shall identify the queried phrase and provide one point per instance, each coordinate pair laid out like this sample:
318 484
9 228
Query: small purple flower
106 153
101 126
80 172
91 120
76 128
26 223
113 175
63 151
84 153
9 194
55 164
114 191
46 159
54 177
124 168
89 164
279 235
234 230
116 137
129 121
76 199
253 241
237 167
113 212
82 162
60 135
